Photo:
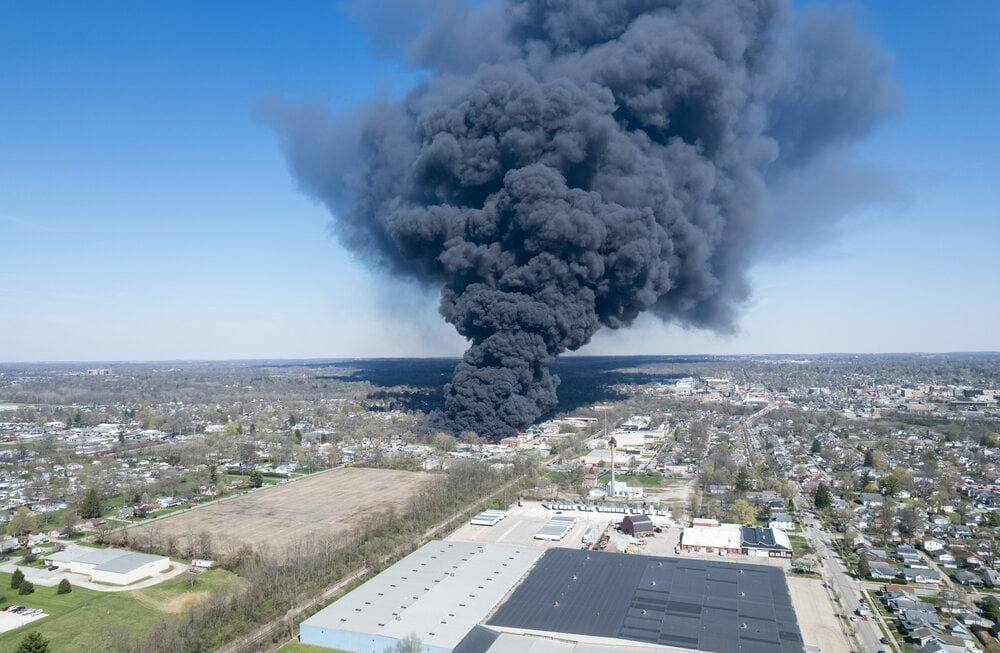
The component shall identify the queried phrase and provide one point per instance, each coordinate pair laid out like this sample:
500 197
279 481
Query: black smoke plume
570 164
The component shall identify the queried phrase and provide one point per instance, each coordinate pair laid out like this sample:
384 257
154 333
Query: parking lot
522 522
11 620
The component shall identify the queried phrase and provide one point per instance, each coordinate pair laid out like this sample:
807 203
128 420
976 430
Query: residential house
871 499
882 570
782 521
931 545
922 576
967 578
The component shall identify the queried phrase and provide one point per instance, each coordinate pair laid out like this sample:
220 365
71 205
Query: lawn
295 647
800 546
87 620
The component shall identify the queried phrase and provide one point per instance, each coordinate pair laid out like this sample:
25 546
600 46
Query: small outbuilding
637 525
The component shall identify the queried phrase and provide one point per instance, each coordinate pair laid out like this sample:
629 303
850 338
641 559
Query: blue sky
146 212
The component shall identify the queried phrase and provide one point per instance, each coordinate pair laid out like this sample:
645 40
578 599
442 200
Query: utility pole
613 443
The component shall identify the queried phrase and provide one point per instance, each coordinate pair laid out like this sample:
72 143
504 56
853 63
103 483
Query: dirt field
277 517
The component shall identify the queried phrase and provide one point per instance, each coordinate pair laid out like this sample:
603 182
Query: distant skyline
146 211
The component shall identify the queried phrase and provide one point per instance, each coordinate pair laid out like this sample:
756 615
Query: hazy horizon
147 211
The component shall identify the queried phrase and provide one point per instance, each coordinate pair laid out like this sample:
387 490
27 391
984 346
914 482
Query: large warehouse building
438 593
457 598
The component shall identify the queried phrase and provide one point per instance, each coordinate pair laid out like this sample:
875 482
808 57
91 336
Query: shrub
64 587
26 587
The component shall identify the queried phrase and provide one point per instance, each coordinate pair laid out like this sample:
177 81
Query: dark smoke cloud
571 164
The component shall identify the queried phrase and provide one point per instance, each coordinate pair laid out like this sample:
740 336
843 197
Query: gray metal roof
126 563
439 592
693 604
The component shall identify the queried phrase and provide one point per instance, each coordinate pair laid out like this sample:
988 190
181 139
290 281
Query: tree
822 498
90 508
743 480
256 479
885 519
34 642
864 569
909 522
409 644
70 521
64 587
869 458
742 512
23 522
27 587
16 579
817 447
890 485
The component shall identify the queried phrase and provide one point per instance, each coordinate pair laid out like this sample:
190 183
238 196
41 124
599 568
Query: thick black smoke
570 164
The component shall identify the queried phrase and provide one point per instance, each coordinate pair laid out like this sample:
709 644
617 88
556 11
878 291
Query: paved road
837 576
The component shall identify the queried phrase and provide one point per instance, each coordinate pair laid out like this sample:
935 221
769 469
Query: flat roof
439 592
728 537
113 560
128 562
678 602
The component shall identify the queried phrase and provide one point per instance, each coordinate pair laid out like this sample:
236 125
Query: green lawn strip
295 647
800 545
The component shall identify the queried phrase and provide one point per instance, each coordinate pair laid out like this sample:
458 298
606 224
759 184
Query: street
837 578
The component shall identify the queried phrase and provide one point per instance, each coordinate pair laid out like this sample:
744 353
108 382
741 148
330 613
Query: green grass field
86 620
800 546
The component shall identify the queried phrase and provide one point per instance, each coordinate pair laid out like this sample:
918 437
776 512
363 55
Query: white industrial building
624 490
438 592
711 539
114 566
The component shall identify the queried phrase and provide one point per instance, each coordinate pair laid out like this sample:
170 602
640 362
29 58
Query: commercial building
711 539
438 593
733 539
458 597
114 566
765 542
603 598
